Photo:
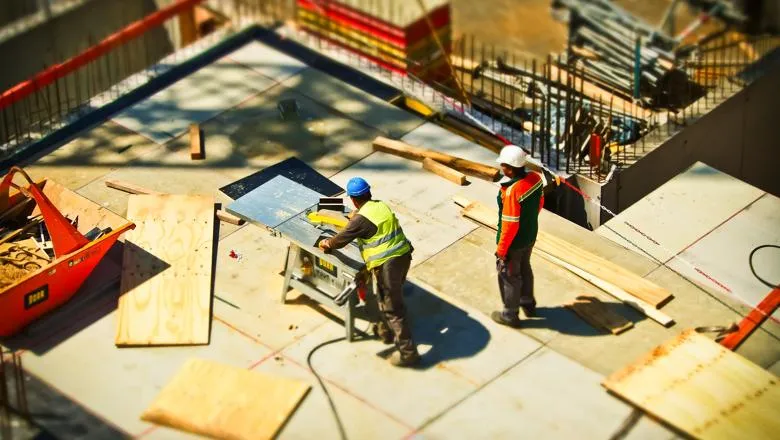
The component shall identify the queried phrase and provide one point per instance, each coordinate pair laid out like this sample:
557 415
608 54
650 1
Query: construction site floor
477 380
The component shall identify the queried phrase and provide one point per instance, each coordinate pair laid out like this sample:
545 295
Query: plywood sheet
595 313
700 387
166 271
221 401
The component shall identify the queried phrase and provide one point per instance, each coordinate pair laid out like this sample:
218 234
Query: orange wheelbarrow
75 256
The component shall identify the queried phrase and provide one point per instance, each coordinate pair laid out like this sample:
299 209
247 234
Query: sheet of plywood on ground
595 313
220 401
702 388
593 264
166 271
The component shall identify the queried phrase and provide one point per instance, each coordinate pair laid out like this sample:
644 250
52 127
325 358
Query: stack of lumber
396 35
637 292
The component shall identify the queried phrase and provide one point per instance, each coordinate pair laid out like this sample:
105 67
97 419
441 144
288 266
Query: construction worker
520 200
388 255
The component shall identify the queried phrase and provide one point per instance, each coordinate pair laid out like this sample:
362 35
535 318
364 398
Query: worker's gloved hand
501 263
324 246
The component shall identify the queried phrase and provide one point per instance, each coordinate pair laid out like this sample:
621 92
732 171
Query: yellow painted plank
166 271
702 388
220 401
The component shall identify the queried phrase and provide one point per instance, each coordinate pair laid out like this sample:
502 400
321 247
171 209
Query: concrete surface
723 216
476 377
194 99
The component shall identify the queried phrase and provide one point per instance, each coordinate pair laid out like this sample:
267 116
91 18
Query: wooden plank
626 280
220 401
753 320
136 189
196 142
641 306
608 271
595 313
703 389
407 151
444 171
166 271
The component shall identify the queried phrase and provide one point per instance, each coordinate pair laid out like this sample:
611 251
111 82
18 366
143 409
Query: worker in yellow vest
388 256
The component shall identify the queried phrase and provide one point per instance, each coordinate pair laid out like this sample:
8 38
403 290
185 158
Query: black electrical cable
752 269
322 384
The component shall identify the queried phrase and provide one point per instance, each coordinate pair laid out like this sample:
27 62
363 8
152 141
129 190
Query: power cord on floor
752 269
324 388
340 425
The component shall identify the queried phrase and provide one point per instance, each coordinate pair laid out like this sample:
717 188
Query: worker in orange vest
520 200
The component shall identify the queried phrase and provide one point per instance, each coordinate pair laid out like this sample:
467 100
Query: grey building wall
70 33
741 137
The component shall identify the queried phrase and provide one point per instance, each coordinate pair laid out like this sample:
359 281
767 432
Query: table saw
333 279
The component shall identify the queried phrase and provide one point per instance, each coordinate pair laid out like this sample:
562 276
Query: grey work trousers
389 282
516 281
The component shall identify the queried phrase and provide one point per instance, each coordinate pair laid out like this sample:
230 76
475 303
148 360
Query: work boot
503 320
383 333
529 311
397 360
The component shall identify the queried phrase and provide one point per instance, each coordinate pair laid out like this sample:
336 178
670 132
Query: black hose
750 262
322 384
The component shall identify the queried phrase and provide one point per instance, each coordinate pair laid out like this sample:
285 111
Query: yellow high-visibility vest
389 240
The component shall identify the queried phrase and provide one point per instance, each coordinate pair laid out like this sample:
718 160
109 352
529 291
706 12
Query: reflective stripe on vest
389 240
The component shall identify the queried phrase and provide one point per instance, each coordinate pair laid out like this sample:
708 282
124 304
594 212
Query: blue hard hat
357 186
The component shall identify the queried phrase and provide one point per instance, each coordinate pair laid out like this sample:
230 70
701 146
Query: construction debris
196 142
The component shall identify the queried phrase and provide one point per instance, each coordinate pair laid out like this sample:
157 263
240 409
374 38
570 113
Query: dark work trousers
390 278
516 281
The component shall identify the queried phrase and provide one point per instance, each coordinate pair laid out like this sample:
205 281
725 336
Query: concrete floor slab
267 61
314 418
118 384
254 285
443 327
408 395
702 195
754 226
193 99
696 306
548 396
90 156
252 136
354 103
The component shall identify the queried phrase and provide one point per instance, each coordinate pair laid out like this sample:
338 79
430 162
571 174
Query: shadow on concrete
449 330
566 321
41 412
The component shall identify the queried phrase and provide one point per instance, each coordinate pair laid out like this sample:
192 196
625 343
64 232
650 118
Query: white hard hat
512 155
